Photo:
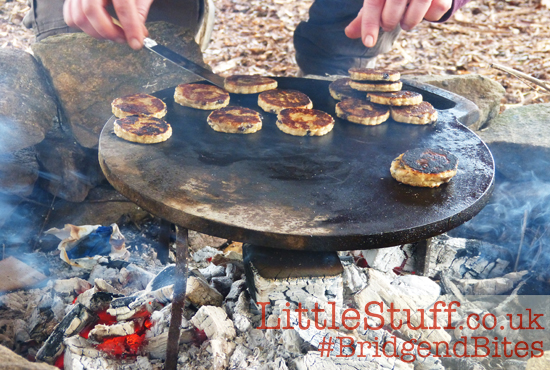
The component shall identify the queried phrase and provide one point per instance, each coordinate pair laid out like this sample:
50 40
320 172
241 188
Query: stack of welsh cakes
369 96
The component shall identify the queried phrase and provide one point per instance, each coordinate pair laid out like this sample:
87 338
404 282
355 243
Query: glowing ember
128 345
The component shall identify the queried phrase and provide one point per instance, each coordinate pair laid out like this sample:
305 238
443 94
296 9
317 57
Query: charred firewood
76 320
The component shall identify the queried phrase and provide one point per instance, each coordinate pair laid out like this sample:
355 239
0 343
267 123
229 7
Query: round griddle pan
269 188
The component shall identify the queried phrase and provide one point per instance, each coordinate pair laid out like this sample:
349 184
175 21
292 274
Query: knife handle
115 21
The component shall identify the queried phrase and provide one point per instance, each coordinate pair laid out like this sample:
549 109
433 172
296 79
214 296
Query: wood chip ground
255 37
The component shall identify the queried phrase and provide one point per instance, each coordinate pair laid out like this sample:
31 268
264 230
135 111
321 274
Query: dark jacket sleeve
457 4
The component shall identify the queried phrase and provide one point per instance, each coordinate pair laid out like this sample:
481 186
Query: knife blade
179 60
183 62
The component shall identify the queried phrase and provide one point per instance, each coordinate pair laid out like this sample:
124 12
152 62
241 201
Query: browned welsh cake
420 114
243 84
372 74
382 86
143 129
274 101
138 105
302 122
340 89
235 120
424 167
362 112
398 98
201 96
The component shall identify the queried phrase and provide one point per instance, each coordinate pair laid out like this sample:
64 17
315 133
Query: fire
128 345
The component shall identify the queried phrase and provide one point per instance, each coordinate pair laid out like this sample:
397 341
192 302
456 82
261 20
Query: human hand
92 17
389 13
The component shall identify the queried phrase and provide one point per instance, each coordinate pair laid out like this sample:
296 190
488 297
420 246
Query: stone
102 206
27 104
87 74
484 92
70 170
519 139
18 171
12 361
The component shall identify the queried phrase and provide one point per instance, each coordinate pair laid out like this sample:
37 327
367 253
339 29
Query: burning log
408 314
199 293
101 332
76 320
494 286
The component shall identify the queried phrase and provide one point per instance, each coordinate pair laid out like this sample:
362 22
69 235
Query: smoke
517 218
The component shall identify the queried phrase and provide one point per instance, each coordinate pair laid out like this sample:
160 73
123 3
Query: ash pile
249 307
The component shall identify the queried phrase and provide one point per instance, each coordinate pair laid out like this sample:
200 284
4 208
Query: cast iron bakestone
332 192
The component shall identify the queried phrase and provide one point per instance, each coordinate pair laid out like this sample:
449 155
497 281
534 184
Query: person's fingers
437 9
132 22
143 7
370 21
415 13
101 21
90 16
392 14
74 17
353 30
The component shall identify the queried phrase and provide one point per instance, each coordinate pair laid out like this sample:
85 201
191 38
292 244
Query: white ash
493 286
463 258
73 286
80 355
277 292
422 290
137 275
380 290
272 348
386 259
354 277
157 336
205 253
242 317
212 271
214 322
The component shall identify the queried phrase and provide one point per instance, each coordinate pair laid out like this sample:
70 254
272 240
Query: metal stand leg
178 301
423 252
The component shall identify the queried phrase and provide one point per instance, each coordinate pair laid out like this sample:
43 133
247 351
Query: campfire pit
325 193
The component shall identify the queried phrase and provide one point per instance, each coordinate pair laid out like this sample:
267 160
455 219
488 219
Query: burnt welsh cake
424 167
